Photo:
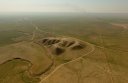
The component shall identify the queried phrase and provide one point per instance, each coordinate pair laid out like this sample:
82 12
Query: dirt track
92 49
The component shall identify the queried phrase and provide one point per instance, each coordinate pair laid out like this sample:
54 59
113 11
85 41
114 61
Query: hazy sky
120 6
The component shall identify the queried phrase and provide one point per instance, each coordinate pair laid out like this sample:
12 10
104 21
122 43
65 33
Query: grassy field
16 70
106 64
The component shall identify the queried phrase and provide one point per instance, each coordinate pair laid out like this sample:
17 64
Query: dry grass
108 63
27 51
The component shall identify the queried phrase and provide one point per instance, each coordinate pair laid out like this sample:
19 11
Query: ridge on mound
63 42
66 47
60 45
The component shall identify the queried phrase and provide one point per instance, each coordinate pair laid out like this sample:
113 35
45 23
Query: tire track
106 57
92 49
91 45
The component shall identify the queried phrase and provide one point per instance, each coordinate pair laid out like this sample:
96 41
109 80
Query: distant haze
97 6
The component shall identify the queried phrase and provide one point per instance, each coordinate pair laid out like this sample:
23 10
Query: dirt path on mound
92 49
37 28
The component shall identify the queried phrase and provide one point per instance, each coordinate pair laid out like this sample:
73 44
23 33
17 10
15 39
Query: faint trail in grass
106 57
92 49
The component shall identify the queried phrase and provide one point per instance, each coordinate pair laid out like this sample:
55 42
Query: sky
96 6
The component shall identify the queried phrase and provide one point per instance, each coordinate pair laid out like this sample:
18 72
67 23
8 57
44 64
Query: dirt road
92 49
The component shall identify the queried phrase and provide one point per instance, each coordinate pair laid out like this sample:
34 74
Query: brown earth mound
60 45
